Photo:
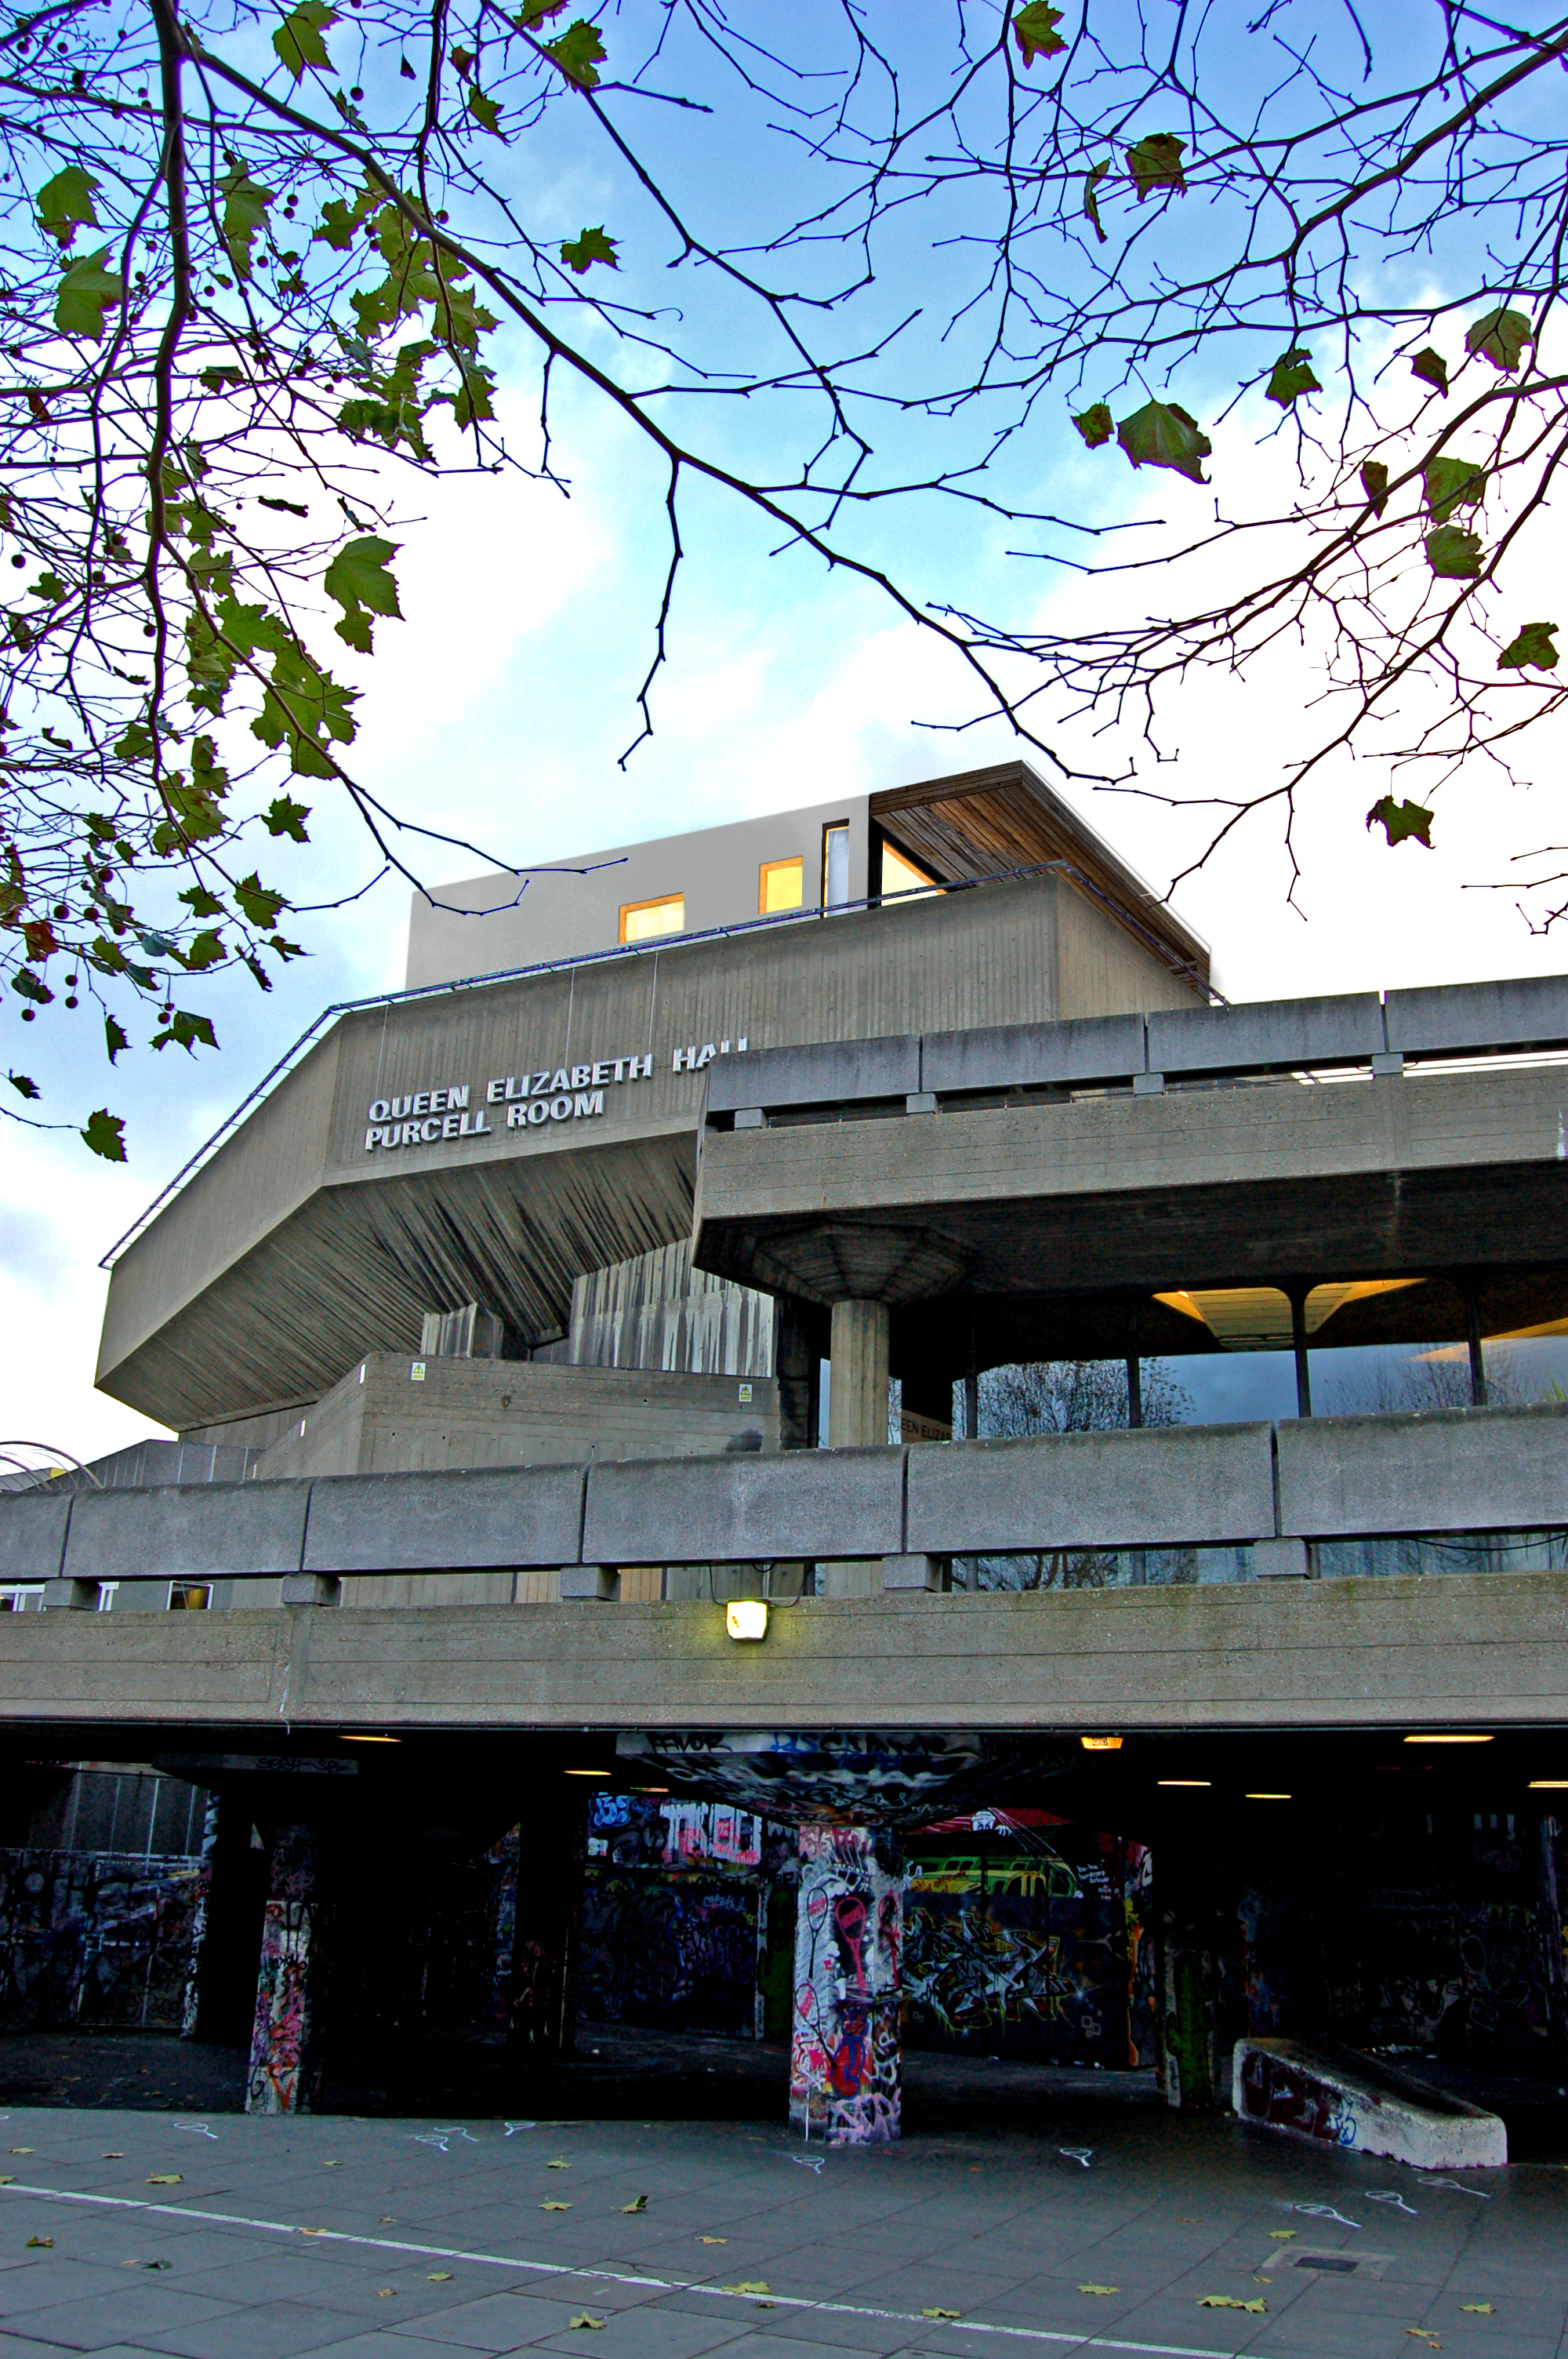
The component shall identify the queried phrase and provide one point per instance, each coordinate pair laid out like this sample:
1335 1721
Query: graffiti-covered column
848 1953
284 2067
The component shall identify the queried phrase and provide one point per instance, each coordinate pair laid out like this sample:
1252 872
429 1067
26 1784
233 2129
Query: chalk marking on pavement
612 2276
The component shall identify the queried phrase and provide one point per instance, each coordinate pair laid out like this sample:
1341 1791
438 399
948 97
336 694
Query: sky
498 709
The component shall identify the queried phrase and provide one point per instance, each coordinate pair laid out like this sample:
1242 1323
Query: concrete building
565 1353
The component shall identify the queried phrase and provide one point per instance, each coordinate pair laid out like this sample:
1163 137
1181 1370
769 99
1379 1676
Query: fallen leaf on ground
8 2179
941 2313
312 2231
557 2166
40 2244
111 2158
1478 2309
24 2150
748 2284
1182 2220
1424 2335
582 2319
1094 2289
157 2265
439 2276
332 2166
713 2240
386 2220
384 2293
555 2207
1280 2235
638 2204
166 2178
1228 2301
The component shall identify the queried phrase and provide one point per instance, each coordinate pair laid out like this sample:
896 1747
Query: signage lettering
558 1094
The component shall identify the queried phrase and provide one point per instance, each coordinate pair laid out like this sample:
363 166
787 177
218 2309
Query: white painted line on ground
613 2277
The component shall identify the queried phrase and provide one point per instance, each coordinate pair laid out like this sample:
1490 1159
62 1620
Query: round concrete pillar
857 1397
844 2085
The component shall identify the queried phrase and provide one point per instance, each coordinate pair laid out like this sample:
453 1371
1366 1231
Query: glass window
190 1596
900 874
780 885
641 922
836 864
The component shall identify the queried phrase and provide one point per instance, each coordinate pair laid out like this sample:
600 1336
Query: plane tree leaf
1500 337
1451 483
1092 180
1162 434
104 1133
580 254
1035 29
359 580
1400 821
246 203
297 39
1532 645
1155 162
1431 368
1454 554
1292 376
85 293
65 205
1375 483
578 52
1096 424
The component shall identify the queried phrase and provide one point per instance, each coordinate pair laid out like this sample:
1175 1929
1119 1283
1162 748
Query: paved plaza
1080 2225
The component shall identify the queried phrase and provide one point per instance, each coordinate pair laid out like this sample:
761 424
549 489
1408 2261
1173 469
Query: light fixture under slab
746 1617
1450 1737
1184 1781
1100 1744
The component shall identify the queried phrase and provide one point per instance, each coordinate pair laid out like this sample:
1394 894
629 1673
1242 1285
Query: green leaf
1500 337
49 588
27 986
283 507
1091 201
308 707
1096 424
65 205
115 1037
538 13
1453 555
1156 162
1162 434
359 580
257 903
1532 646
21 637
104 1133
1398 820
1292 377
297 39
24 1087
85 293
185 1030
200 903
578 52
1375 483
219 380
284 816
1035 29
206 950
580 254
1431 368
485 111
341 216
1451 483
244 212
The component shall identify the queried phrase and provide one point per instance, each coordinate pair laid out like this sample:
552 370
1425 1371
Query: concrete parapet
599 1582
815 1076
1022 1056
1528 1012
1268 1035
32 1535
1334 2099
827 1502
1165 1487
389 1523
200 1530
1456 1470
917 1572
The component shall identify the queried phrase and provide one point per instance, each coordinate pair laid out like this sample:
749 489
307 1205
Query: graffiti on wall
94 1938
673 1952
646 1831
844 2045
282 2074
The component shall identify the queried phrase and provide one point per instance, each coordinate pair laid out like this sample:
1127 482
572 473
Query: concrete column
1473 1337
848 1953
200 1916
796 1350
285 2068
543 2010
858 1399
1298 1293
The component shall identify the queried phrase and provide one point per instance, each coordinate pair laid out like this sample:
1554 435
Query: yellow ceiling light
1100 1744
1257 1318
746 1617
348 1739
585 1773
1548 1785
1270 1797
1184 1781
1450 1736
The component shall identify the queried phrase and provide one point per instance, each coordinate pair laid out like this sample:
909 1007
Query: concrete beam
1447 1020
831 1503
815 1076
197 1530
1024 1056
402 1523
1267 1035
1468 1651
32 1535
1173 1485
1454 1470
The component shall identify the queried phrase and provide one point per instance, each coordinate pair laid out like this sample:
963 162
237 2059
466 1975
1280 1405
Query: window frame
656 901
834 827
767 868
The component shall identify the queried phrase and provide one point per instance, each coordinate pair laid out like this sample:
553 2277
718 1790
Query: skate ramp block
1334 2098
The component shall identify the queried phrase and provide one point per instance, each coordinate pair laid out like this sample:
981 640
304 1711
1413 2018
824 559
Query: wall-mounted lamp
1100 1744
747 1617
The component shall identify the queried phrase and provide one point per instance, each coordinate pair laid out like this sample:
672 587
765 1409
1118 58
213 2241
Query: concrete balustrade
1450 1471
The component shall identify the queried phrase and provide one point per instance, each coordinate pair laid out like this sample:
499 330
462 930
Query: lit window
781 886
836 864
189 1596
644 921
900 874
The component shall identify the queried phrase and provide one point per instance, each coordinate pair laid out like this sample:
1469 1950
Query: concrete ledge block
1148 1085
916 1572
1286 1559
1024 1056
404 1523
1353 2103
1267 1035
811 1504
1456 1470
837 1070
32 1534
1161 1486
309 1589
1448 1018
595 1580
72 1596
195 1530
